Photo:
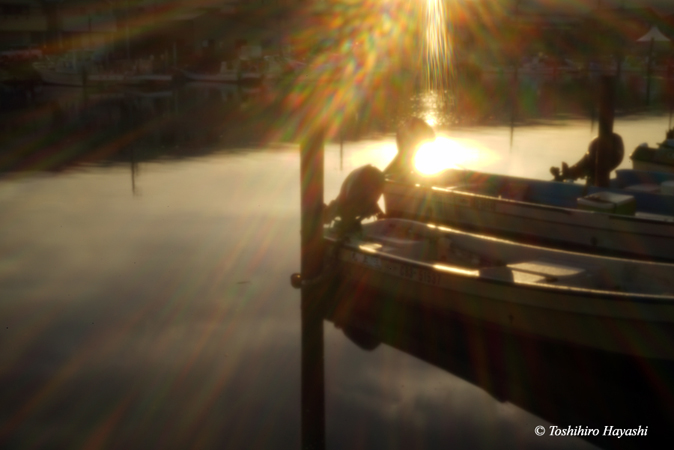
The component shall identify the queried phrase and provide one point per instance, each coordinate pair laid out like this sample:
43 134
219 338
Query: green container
608 202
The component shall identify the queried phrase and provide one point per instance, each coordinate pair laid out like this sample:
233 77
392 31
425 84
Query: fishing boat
659 159
614 305
644 180
251 71
76 68
148 72
623 221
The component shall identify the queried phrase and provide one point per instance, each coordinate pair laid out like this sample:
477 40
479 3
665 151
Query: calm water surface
145 298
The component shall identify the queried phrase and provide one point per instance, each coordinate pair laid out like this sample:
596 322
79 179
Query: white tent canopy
653 34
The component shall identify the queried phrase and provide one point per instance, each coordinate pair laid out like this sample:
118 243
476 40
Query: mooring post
312 373
514 99
606 141
649 71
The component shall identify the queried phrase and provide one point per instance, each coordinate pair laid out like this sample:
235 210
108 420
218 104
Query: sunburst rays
437 47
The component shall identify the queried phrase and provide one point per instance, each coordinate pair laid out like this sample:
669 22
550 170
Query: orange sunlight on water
447 153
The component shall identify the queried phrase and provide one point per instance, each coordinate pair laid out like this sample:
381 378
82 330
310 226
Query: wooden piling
649 71
311 173
312 372
606 140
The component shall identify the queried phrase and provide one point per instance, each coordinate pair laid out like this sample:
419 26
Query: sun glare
438 51
445 153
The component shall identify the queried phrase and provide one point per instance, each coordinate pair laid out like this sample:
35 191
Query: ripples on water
146 242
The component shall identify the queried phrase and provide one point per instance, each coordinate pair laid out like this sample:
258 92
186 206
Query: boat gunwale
559 209
580 293
528 204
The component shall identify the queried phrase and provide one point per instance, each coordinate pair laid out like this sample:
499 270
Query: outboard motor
357 199
606 151
604 154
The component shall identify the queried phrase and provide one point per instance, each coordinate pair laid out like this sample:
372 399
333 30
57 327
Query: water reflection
166 320
155 321
532 383
69 126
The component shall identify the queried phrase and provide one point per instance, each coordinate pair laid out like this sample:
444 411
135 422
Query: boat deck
453 251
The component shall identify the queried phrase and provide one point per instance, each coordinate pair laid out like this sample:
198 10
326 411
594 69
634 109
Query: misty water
146 244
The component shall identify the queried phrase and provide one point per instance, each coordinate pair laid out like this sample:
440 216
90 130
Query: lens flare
438 51
445 153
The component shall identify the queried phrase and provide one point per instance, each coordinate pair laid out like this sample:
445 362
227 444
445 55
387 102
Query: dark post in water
313 389
605 148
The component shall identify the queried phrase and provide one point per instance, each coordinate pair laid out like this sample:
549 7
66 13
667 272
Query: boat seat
546 269
533 272
504 273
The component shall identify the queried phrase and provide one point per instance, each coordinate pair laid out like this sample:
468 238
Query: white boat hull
523 302
644 235
50 76
495 308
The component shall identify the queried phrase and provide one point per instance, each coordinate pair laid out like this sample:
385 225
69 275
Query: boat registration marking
419 274
368 260
485 204
408 271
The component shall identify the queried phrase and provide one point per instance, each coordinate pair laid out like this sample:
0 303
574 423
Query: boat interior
449 250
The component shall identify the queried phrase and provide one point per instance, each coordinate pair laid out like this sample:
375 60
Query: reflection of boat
149 79
228 73
148 94
251 71
629 221
614 305
206 90
247 71
146 73
562 385
225 91
660 159
71 69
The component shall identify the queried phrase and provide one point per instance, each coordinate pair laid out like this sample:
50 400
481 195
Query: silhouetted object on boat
357 199
605 152
410 135
658 159
603 155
